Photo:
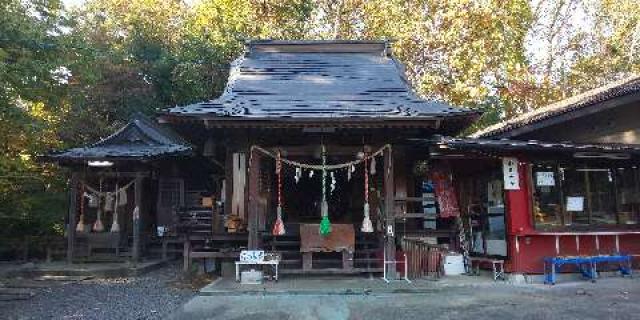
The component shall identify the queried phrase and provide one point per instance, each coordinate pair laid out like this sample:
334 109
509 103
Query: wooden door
170 198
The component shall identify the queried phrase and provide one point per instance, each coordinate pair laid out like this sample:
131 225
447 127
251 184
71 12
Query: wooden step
415 199
412 215
333 271
380 260
285 243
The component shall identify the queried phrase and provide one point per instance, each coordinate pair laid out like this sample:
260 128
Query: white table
496 264
273 263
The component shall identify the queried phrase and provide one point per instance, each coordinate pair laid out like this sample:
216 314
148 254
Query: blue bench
625 263
587 265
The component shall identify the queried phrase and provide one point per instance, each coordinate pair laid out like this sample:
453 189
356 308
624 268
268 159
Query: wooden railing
423 259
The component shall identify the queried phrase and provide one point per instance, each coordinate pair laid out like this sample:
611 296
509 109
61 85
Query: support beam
71 227
253 200
389 210
137 219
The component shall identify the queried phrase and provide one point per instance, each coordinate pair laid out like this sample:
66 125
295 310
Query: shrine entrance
291 190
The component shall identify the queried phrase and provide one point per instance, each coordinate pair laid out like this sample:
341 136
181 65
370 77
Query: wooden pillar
71 227
137 219
228 182
186 254
253 200
389 209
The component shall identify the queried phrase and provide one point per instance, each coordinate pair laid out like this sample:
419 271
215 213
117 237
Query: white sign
575 204
510 172
545 179
252 255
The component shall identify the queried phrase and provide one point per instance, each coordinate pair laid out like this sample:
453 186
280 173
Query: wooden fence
423 259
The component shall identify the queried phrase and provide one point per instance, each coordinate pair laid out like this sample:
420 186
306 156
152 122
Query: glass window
589 197
547 205
628 195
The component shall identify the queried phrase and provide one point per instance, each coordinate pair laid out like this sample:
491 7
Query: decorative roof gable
140 139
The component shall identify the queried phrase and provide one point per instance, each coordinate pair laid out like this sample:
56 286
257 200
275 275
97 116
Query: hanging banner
445 191
510 172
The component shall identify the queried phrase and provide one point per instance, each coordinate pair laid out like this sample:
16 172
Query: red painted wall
518 204
527 247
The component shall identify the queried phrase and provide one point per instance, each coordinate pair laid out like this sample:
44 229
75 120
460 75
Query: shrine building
320 154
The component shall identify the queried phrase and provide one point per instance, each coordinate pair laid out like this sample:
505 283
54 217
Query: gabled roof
140 139
320 80
627 86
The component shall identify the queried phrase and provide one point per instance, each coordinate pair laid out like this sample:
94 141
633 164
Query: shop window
547 205
584 195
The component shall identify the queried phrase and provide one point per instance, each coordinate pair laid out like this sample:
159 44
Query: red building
573 199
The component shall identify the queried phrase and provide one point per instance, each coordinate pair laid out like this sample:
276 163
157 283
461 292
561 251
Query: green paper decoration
325 226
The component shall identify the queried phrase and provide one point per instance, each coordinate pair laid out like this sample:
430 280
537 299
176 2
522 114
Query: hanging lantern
278 226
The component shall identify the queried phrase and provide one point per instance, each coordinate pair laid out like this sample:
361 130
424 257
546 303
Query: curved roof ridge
320 84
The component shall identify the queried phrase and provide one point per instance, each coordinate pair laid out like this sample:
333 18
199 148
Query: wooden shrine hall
312 137
320 155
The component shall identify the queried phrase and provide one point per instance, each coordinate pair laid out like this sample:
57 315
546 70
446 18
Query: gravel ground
614 298
151 296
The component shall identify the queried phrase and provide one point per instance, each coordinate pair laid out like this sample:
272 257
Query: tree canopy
69 76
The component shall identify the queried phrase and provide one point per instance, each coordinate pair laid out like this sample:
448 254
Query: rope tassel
278 226
367 226
97 225
115 226
373 166
325 224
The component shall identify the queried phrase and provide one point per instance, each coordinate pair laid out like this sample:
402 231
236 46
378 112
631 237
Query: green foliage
70 77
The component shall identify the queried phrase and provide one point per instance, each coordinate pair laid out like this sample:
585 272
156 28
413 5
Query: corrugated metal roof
141 138
318 79
629 85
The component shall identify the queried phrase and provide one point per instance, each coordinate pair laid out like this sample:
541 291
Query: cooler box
453 264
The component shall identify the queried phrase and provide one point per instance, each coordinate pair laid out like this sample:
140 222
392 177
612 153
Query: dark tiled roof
141 138
318 79
587 99
531 146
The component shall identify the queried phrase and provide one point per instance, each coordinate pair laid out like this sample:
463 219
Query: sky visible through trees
72 71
